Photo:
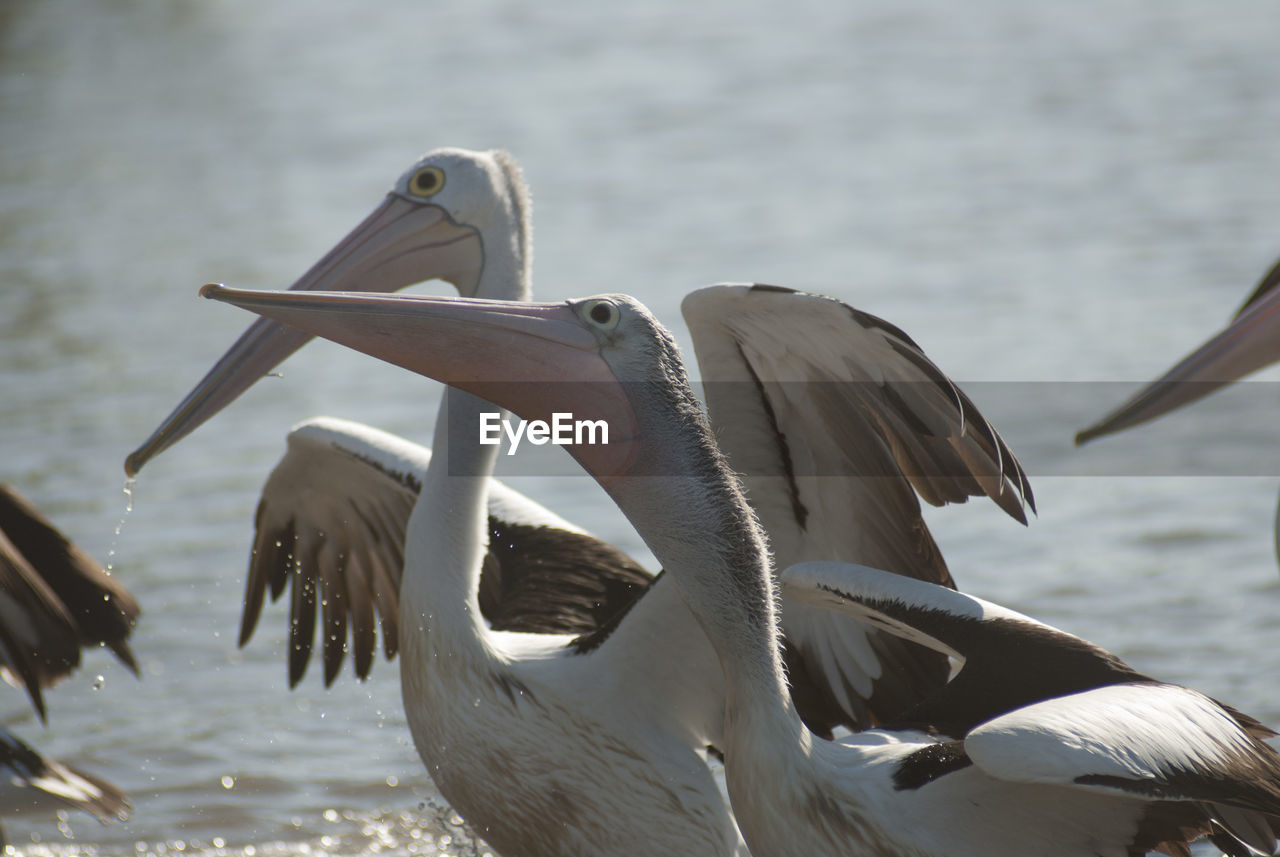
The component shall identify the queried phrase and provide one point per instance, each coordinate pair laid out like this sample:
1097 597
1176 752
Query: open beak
534 359
400 243
1249 343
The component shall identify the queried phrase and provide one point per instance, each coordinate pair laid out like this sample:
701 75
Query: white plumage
879 792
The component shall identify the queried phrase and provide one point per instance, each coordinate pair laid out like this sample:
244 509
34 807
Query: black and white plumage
1114 764
831 415
54 601
1034 704
471 227
642 684
547 743
343 551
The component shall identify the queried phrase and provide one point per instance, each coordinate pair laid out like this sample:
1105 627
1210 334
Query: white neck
508 244
446 538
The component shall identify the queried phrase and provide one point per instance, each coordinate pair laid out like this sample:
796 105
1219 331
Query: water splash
129 482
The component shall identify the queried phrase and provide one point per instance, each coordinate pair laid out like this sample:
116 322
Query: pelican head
455 215
594 358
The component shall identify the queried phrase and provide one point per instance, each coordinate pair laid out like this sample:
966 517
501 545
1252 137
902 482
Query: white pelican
647 684
1049 747
464 216
336 509
54 600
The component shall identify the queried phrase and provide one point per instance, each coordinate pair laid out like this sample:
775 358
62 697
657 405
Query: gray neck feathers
689 507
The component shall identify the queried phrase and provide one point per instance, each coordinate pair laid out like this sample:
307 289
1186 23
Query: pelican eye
604 314
426 182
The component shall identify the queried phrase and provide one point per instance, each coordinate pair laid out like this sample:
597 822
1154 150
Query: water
1036 192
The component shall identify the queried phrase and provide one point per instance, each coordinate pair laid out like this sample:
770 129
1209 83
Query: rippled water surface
1036 192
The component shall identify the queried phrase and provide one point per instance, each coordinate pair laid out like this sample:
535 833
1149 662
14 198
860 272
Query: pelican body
534 715
1102 761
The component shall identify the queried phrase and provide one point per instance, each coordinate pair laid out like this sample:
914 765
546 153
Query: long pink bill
1249 343
400 243
534 359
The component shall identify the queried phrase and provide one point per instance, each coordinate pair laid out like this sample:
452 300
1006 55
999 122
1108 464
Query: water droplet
219 842
228 782
330 815
98 682
393 781
128 507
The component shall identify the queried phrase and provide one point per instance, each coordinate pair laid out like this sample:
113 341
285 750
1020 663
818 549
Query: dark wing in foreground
30 782
54 600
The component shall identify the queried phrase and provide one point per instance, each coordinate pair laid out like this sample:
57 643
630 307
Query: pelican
647 682
336 510
54 600
1051 746
463 216
1251 341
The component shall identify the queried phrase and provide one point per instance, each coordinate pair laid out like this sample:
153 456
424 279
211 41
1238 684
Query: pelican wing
836 420
54 600
31 781
1149 740
1032 703
330 529
1008 660
103 611
37 637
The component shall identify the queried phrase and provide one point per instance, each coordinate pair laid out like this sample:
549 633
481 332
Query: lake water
1057 195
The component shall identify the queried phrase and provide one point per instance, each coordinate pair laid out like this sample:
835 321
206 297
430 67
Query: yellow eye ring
427 181
604 314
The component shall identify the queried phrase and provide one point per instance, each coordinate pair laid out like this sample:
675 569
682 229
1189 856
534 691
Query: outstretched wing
836 420
330 526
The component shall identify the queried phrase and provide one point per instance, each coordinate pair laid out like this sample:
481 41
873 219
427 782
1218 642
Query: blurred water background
1067 196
